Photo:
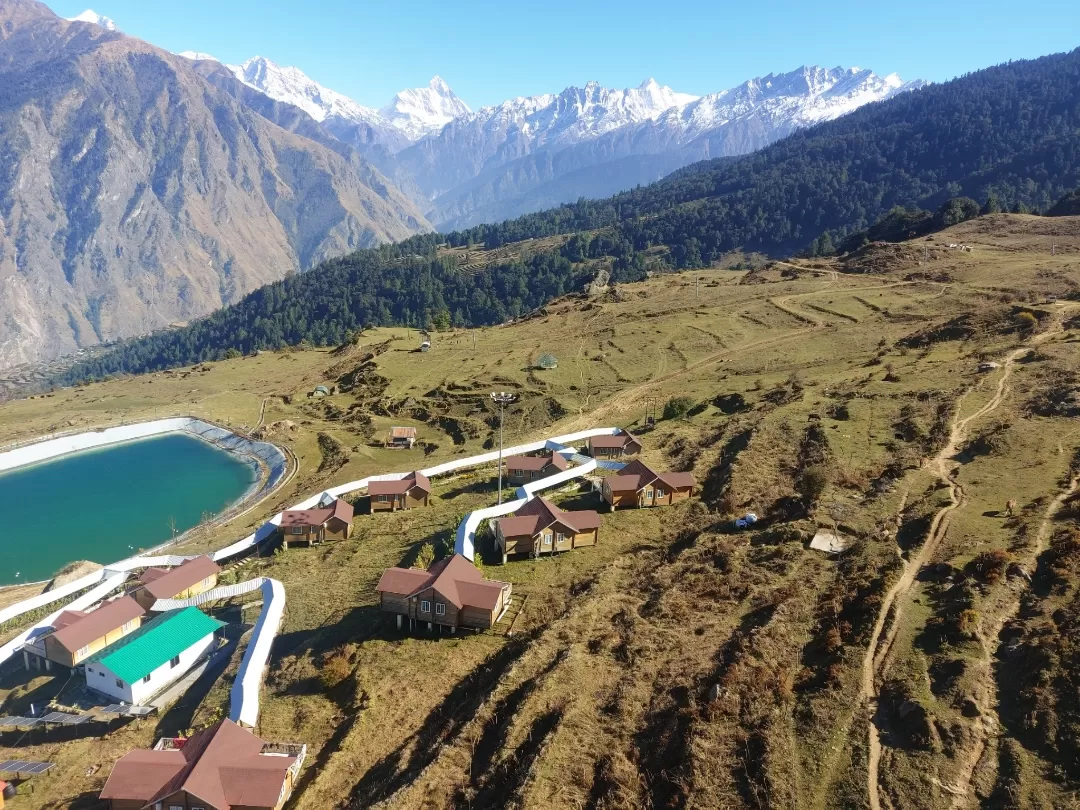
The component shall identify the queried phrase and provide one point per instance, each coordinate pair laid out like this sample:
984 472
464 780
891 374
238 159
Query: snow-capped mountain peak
198 56
424 110
787 101
92 17
292 86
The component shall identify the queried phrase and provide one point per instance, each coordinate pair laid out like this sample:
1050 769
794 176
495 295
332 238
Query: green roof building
143 663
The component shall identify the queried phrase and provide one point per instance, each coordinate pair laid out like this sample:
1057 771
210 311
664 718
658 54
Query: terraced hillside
899 397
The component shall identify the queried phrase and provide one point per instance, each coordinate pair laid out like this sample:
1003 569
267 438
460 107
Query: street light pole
503 399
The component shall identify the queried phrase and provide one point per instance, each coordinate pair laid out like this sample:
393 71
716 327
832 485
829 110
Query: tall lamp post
502 398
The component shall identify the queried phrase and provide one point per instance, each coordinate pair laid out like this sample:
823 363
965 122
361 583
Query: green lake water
106 504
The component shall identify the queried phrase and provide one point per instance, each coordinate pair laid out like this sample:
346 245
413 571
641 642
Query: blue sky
489 51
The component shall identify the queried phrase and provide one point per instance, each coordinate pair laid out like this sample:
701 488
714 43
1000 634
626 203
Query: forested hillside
1011 132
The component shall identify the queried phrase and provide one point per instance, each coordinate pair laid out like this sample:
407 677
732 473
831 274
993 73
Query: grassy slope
601 697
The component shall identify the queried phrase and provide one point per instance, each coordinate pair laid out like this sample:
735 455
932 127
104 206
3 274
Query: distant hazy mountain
136 192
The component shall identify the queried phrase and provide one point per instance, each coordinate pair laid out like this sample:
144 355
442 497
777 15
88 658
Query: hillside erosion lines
892 604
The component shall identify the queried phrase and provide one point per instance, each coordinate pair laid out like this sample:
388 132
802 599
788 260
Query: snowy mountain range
462 167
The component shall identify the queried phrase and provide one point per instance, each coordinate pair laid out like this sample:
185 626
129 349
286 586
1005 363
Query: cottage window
146 679
648 494
102 674
425 606
547 539
298 530
82 652
384 499
659 493
560 538
440 609
119 684
174 663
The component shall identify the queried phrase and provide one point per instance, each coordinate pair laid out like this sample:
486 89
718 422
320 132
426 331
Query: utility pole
502 398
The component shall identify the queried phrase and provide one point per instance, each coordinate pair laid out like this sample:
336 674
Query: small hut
548 362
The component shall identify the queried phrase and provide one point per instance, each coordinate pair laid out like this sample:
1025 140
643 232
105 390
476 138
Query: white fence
244 698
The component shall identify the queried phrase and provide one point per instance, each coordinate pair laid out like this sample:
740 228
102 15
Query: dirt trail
988 722
944 468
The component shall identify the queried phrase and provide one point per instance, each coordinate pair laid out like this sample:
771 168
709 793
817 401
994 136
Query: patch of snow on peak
92 17
292 86
198 56
424 110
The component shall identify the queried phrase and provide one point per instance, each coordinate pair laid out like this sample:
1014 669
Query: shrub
811 484
677 407
425 557
1025 321
336 668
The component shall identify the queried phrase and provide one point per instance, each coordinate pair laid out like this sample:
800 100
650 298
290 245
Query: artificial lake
108 503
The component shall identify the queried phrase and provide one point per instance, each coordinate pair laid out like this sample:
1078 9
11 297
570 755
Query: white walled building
163 650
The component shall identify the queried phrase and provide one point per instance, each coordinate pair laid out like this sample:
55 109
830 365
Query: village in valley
451 598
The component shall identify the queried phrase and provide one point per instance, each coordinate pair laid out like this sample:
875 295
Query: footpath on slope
945 469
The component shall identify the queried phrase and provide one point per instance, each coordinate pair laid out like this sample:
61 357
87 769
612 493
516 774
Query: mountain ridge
136 194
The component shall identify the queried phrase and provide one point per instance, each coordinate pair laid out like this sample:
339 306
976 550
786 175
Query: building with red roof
623 443
450 593
77 634
640 486
190 578
540 527
330 520
533 468
224 767
403 493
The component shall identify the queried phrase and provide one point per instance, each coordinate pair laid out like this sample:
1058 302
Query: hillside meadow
679 663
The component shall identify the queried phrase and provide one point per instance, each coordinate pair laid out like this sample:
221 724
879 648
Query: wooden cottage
540 527
451 593
223 767
621 444
638 485
77 635
401 438
190 578
533 468
330 520
405 493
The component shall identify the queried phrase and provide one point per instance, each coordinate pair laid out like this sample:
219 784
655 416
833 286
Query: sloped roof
91 626
163 584
161 639
340 509
537 463
401 486
635 476
539 513
221 765
402 581
620 439
402 433
457 579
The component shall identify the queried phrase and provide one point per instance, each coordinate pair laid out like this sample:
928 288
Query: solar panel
116 708
77 719
140 711
22 766
12 721
54 717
